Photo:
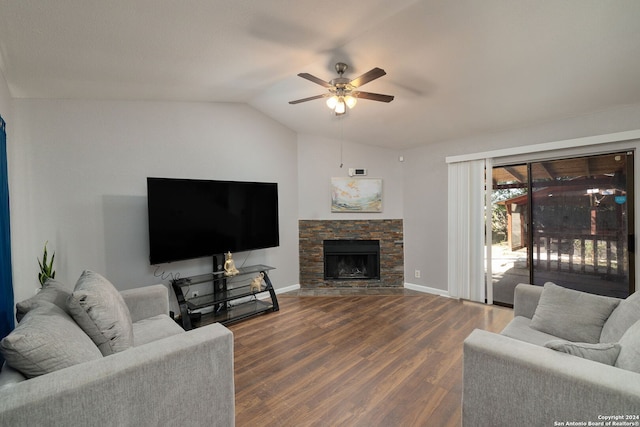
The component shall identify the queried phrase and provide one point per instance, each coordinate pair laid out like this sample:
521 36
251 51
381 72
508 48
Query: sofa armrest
185 379
511 382
147 301
525 300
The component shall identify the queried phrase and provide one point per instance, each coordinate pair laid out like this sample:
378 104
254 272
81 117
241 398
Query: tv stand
230 298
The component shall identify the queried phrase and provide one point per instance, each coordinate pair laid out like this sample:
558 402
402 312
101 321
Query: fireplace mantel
314 232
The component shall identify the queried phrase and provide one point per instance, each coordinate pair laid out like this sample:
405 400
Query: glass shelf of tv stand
218 275
208 300
237 312
237 286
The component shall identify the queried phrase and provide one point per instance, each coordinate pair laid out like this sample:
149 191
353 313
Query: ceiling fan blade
314 79
311 98
367 77
373 96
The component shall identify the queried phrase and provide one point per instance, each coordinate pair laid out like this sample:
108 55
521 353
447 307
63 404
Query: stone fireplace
351 253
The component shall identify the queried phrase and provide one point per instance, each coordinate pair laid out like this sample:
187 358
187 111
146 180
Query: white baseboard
264 295
427 290
287 289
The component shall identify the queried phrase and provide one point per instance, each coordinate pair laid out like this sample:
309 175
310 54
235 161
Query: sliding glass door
510 231
569 221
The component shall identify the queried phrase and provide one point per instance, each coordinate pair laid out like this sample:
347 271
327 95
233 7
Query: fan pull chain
341 141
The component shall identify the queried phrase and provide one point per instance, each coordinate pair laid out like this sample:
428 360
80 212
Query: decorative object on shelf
229 265
46 269
356 195
256 282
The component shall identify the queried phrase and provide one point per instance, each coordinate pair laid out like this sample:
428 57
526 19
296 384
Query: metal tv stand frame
230 297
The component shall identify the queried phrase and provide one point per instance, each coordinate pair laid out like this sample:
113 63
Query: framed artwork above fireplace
356 195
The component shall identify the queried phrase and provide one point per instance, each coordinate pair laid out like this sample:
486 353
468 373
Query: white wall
78 168
5 98
425 183
319 160
79 181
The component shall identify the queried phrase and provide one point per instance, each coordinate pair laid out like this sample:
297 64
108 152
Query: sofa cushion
154 328
47 340
520 329
101 312
10 376
629 357
52 291
572 315
606 353
626 314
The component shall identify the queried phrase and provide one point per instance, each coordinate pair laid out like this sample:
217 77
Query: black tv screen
191 218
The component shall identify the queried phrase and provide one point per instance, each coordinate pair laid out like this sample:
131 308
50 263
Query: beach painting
356 195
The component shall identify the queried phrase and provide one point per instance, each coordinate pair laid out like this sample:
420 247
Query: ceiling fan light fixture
345 91
332 102
350 101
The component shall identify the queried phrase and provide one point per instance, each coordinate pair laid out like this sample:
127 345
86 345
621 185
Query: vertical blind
466 230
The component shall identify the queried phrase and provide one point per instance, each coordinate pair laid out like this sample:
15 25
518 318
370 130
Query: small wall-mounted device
357 172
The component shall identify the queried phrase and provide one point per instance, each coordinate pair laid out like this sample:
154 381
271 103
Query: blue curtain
6 283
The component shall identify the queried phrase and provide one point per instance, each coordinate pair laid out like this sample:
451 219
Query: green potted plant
46 268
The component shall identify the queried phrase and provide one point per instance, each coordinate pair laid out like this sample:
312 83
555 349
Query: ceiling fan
343 92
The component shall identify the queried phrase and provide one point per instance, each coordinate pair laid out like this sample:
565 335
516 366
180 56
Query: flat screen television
191 218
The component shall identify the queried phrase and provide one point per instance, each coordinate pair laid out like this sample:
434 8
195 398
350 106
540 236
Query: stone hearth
314 232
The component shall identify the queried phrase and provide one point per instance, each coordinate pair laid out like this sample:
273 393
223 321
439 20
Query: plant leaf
46 267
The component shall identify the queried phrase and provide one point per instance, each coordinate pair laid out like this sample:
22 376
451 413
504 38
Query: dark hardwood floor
356 360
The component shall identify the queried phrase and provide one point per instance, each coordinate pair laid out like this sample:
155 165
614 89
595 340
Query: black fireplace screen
351 259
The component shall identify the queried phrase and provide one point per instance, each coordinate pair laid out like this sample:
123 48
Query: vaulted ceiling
456 67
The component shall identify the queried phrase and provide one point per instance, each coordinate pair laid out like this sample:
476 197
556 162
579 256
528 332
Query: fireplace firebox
351 259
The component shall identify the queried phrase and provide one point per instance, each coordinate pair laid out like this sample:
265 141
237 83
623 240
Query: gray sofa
528 376
166 377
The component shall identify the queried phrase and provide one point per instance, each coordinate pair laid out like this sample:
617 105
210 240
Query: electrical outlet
195 294
417 274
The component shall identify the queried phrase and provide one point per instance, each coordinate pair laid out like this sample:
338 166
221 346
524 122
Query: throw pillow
629 357
101 312
46 340
572 315
626 314
606 353
52 291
